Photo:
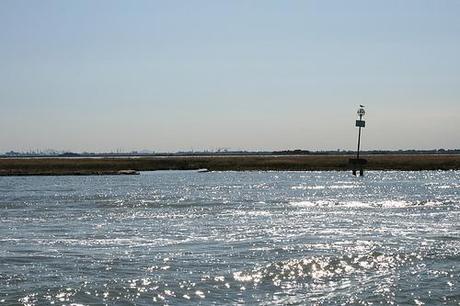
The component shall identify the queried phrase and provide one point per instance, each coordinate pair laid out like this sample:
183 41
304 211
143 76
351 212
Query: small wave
393 204
325 203
304 187
439 186
323 268
344 186
311 204
371 204
320 187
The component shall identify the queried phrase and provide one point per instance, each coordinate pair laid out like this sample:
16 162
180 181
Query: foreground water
230 238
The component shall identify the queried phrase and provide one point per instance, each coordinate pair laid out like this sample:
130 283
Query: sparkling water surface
182 237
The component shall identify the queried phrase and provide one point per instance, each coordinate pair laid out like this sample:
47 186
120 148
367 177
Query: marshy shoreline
113 166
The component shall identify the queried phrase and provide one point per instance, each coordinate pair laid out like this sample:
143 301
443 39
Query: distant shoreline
111 166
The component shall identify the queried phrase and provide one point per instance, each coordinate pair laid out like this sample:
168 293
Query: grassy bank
87 166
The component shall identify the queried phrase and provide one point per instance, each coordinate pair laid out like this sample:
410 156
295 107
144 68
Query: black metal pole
359 137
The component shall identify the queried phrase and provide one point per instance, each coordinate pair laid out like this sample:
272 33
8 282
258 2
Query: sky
94 75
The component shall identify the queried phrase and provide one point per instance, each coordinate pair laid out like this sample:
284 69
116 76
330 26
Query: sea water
182 237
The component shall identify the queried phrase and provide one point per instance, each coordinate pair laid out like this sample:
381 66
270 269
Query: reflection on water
231 237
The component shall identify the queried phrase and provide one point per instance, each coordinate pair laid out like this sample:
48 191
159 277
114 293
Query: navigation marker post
358 163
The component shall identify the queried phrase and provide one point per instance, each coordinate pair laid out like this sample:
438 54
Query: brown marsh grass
85 166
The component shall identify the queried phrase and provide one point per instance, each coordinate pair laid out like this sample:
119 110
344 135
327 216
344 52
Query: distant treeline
228 153
369 152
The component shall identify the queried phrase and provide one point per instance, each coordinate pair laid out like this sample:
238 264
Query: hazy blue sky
176 75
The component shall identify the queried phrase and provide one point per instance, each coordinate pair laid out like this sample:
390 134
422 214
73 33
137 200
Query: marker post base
357 164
